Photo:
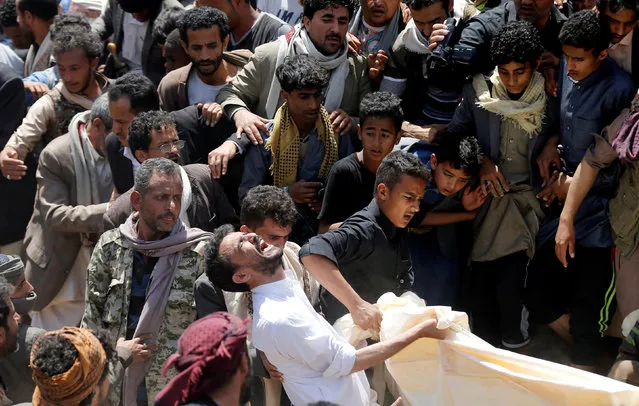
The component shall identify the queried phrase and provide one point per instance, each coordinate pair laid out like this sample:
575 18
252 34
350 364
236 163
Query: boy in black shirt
351 181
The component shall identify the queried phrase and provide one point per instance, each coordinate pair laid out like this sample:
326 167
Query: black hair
218 268
140 90
142 124
616 6
151 166
166 22
421 4
136 6
267 202
42 9
382 105
461 151
203 17
173 40
55 355
5 298
62 22
585 30
301 71
8 15
75 37
313 6
517 41
397 164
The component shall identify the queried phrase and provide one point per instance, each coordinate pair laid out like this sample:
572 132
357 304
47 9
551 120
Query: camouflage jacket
109 294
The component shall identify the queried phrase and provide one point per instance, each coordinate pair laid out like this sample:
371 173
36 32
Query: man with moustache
254 95
621 17
141 276
76 52
74 186
153 134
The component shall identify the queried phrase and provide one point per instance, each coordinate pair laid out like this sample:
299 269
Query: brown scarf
284 144
76 384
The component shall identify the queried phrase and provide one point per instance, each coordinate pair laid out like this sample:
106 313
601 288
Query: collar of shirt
129 154
385 224
594 78
625 42
278 287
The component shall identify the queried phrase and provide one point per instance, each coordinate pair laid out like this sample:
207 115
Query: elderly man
141 276
376 25
254 96
207 374
204 204
14 367
74 186
316 363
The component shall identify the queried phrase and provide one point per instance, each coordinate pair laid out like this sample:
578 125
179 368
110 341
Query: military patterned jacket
109 295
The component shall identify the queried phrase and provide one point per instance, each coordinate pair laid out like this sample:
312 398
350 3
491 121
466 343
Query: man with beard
152 134
208 376
254 95
76 52
74 186
375 27
36 17
315 361
141 276
205 34
14 367
8 331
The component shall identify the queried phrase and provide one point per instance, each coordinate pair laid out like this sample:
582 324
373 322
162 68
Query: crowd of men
192 193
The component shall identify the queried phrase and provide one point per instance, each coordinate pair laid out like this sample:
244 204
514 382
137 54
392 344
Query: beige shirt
41 119
622 53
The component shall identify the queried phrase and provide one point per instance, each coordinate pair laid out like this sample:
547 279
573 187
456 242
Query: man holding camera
301 146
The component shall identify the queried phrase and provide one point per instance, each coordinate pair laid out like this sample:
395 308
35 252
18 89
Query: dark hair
218 268
166 22
75 37
517 41
141 92
421 4
616 6
203 17
267 202
8 15
397 164
301 71
75 21
152 166
136 6
313 6
173 39
585 30
42 9
55 355
142 124
382 105
5 297
461 151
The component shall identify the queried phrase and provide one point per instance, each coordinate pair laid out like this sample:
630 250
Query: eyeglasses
166 148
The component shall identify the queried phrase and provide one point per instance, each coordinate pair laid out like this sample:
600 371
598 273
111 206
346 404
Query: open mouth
260 244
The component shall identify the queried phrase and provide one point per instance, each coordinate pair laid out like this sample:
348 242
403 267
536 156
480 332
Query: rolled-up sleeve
601 154
352 240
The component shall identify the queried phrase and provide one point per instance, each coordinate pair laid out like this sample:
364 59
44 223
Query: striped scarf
284 144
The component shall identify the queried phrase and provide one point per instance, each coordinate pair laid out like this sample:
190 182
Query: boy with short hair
437 243
351 182
592 90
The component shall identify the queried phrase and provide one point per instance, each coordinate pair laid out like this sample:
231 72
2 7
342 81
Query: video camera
449 61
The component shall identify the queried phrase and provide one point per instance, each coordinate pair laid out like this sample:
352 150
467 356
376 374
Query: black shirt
349 188
367 249
142 269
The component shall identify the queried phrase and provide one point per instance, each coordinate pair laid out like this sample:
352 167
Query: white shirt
289 11
129 154
622 53
200 92
314 359
133 41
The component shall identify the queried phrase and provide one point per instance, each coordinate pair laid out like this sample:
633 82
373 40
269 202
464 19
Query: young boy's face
401 202
580 62
378 136
447 179
516 76
304 105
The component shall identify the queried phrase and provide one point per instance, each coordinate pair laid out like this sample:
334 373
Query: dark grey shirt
267 28
367 249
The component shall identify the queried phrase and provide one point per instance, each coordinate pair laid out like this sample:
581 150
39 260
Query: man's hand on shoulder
250 124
